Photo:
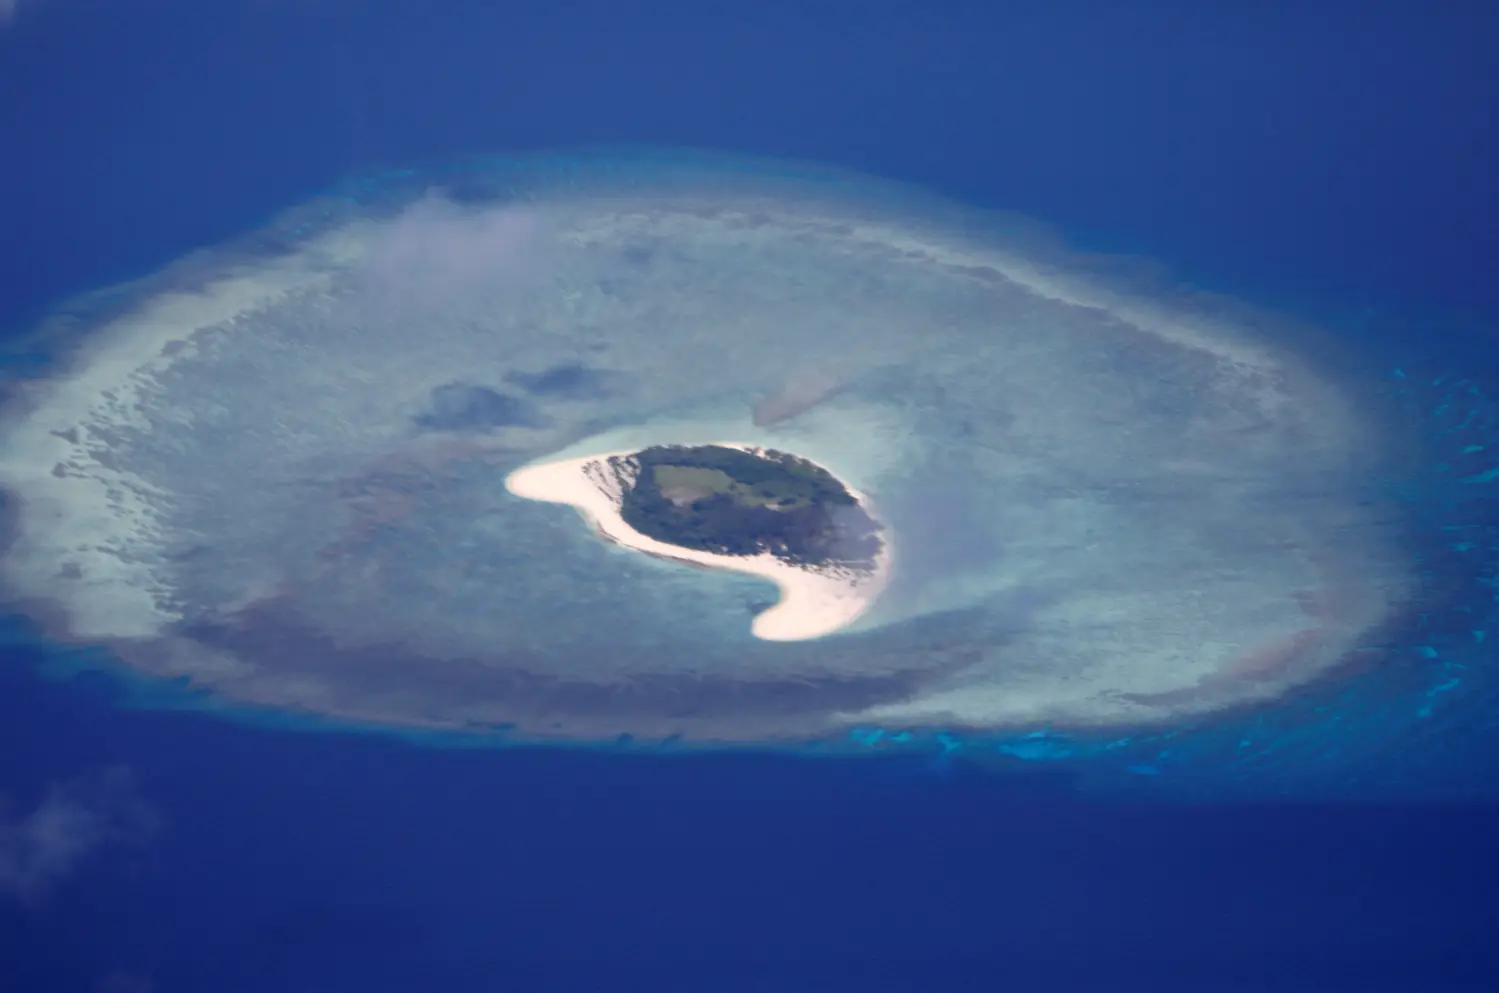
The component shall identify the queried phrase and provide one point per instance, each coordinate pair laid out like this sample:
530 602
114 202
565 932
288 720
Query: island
734 506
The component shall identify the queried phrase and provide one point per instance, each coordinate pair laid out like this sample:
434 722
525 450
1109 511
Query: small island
741 507
730 501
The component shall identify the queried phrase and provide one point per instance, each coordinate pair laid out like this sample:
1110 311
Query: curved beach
814 600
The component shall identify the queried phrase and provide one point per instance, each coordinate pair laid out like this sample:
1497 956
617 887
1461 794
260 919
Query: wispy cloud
73 822
436 249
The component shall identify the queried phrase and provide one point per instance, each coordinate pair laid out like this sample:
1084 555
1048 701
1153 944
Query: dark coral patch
570 380
464 407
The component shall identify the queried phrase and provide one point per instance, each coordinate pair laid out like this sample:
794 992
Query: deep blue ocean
1335 160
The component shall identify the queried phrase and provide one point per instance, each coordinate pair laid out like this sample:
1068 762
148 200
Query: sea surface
1332 160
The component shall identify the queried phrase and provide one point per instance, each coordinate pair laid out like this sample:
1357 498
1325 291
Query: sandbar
815 601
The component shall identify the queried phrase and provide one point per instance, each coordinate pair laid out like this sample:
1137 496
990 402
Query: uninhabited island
734 506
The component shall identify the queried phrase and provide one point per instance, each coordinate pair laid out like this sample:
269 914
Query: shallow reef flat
279 468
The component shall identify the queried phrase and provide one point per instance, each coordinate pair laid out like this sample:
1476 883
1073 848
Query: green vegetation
729 502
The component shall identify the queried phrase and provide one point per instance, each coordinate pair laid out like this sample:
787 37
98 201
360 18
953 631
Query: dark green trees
748 503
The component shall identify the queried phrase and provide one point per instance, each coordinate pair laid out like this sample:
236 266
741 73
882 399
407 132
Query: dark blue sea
1334 160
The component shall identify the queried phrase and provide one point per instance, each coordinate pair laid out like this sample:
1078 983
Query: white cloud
72 823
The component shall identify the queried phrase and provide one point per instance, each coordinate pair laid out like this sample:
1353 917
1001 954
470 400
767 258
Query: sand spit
814 602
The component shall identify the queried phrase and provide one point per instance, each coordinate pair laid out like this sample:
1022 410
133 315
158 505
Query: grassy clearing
688 483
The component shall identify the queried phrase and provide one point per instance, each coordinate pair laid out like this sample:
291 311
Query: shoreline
813 602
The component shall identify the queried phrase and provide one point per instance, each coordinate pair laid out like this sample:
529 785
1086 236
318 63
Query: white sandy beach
814 602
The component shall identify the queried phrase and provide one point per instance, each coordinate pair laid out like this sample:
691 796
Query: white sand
815 601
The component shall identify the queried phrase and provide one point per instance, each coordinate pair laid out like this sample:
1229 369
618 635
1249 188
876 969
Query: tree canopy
731 502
